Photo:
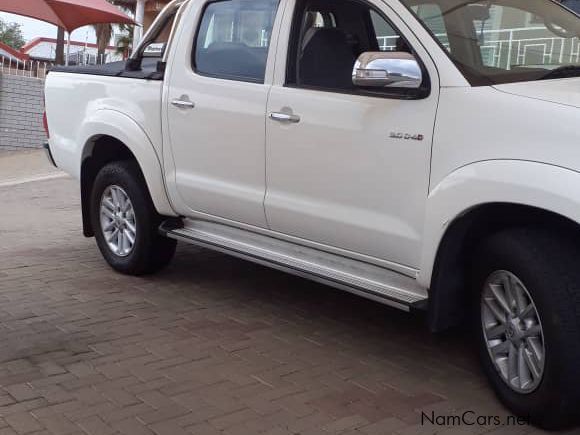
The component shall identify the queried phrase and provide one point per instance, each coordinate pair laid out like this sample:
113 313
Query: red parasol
68 14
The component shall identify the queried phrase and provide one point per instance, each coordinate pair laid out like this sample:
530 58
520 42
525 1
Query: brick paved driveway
211 345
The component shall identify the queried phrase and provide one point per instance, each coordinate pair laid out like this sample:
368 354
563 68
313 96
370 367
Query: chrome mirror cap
394 69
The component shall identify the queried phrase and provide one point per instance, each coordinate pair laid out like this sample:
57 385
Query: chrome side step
364 279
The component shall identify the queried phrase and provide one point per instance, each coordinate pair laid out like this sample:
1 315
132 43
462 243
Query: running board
363 279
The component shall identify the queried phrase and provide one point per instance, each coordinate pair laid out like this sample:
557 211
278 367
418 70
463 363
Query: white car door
218 84
348 168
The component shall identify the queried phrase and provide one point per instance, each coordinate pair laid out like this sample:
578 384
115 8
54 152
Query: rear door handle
284 117
183 103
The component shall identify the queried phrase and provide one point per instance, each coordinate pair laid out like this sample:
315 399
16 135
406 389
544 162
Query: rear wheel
527 319
125 222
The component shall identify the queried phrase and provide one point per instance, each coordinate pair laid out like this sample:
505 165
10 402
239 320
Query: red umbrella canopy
68 14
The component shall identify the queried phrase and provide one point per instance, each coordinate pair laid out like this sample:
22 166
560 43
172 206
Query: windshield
504 41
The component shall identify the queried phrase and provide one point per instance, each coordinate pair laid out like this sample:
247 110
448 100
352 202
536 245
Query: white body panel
328 184
484 123
338 178
336 181
85 107
219 171
218 148
523 182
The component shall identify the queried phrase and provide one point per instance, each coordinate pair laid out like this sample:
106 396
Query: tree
104 33
59 54
11 35
124 43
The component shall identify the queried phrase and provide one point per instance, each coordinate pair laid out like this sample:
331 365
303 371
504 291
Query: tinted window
328 37
319 19
387 37
233 39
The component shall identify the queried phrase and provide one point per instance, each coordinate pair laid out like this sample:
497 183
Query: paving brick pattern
212 345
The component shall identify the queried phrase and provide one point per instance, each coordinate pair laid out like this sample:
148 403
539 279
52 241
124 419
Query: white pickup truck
421 153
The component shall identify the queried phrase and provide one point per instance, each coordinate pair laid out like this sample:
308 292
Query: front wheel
125 222
527 323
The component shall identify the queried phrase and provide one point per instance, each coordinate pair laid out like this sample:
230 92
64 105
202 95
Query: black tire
151 252
547 265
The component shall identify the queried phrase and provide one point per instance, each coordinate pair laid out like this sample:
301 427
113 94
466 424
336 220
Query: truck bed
115 69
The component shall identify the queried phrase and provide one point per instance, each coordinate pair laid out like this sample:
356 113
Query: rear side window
233 39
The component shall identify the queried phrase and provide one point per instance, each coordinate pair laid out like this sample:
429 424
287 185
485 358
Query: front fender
539 185
106 122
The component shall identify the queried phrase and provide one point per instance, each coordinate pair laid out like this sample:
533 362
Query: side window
387 38
329 36
233 39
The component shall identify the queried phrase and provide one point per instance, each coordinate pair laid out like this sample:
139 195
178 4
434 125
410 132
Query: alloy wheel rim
513 332
118 223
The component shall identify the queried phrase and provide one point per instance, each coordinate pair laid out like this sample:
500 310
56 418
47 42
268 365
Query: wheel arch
98 151
478 200
110 140
448 295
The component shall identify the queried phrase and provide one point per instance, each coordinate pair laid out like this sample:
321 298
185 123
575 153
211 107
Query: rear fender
119 126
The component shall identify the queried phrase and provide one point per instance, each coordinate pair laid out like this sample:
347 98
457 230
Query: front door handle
183 102
284 117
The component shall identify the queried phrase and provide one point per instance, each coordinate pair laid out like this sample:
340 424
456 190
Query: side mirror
394 69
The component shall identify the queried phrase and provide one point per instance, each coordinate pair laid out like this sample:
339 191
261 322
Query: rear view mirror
387 70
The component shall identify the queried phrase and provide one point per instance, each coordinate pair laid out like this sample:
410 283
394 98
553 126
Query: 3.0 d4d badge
406 136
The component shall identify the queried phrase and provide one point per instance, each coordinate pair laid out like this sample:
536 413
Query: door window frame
293 43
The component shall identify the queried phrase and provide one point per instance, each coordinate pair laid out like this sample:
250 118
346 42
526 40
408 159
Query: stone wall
21 107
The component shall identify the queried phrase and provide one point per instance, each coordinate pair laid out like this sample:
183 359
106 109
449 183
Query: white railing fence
82 57
38 69
527 46
505 48
29 68
387 43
